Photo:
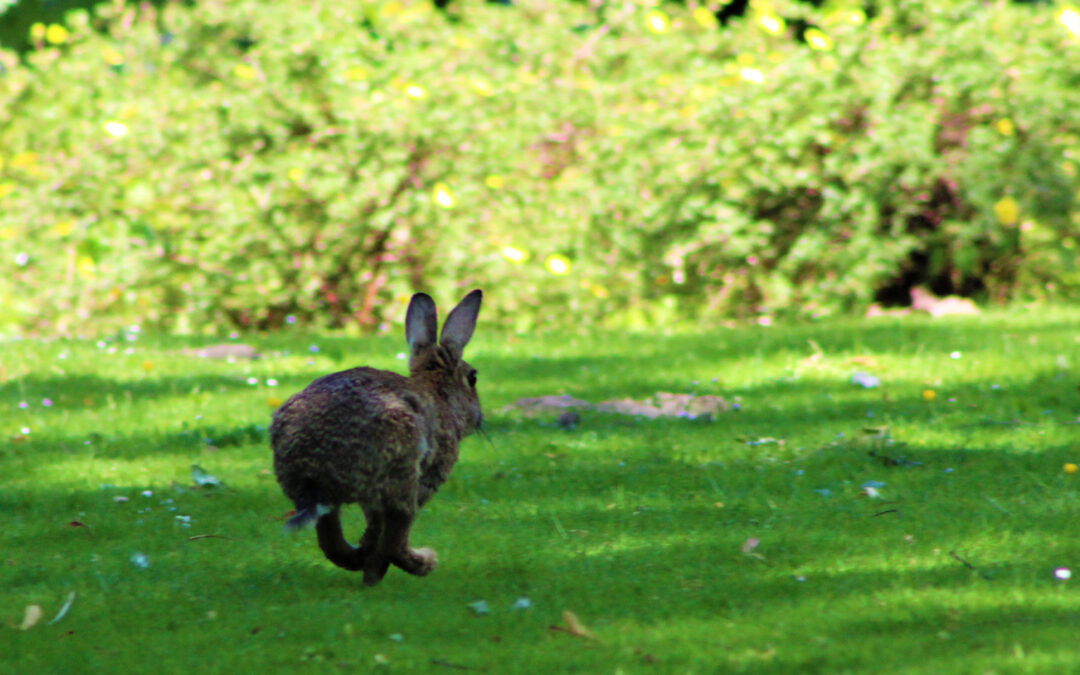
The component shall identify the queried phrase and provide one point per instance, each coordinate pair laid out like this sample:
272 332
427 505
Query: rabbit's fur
380 440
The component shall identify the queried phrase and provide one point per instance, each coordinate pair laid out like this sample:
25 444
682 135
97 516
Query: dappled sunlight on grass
768 539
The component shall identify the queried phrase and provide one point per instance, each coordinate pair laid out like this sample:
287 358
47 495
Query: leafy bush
251 164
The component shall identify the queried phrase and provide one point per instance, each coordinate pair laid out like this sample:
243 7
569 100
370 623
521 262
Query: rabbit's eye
472 378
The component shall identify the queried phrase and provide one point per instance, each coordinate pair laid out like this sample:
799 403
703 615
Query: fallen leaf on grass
573 626
224 352
662 404
923 300
768 440
75 523
545 404
480 607
64 609
748 550
865 380
208 536
201 477
31 617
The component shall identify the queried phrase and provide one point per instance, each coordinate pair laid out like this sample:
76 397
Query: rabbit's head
440 365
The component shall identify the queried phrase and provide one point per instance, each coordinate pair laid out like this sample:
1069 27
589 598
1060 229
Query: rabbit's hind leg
333 544
375 564
395 543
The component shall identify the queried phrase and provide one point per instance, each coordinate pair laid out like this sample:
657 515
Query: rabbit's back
338 440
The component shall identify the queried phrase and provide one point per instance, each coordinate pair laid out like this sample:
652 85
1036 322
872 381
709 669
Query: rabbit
381 440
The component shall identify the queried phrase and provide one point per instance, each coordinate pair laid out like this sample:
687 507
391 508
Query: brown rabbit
380 440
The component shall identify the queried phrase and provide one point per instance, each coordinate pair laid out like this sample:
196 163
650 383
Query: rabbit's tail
308 510
306 516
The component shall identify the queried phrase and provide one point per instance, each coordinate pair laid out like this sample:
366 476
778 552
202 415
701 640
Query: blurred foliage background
221 165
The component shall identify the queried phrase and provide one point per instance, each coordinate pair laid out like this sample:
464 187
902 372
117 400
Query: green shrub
249 164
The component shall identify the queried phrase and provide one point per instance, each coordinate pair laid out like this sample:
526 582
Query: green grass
636 526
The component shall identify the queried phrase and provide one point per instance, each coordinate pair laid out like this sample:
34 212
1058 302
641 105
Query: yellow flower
37 32
557 264
495 182
657 21
56 34
64 227
415 91
112 57
818 40
1070 467
391 9
929 394
1005 126
245 71
6 189
7 233
356 73
855 17
1070 19
24 160
482 87
599 291
663 79
771 24
442 196
461 42
273 401
115 129
148 366
85 266
752 75
705 18
514 254
1007 211
295 174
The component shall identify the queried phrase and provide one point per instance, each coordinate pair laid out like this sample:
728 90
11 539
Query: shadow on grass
617 520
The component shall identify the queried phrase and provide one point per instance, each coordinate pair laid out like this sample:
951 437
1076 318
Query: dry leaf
64 610
32 616
202 478
574 626
224 352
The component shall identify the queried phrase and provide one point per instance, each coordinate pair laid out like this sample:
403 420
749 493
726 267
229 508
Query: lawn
920 525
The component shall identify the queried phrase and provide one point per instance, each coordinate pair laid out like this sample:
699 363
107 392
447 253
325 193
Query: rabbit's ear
421 324
460 324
